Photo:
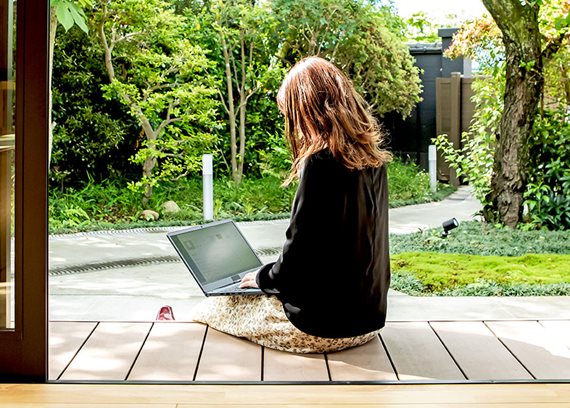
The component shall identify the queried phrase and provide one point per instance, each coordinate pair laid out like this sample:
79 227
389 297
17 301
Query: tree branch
230 106
234 67
553 46
113 35
127 36
250 64
309 40
108 51
243 69
180 176
165 123
168 119
158 88
223 100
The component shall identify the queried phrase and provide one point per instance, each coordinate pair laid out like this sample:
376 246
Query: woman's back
333 275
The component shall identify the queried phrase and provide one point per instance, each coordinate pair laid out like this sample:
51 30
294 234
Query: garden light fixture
448 226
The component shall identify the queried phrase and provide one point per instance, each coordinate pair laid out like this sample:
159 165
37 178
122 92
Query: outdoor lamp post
208 187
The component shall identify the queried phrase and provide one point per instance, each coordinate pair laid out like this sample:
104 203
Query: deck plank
170 353
368 362
547 357
109 353
283 366
65 339
478 352
228 358
172 350
417 352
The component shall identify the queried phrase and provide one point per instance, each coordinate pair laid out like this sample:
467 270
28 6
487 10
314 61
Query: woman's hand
248 281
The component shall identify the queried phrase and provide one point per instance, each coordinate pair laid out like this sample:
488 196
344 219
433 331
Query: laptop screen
216 252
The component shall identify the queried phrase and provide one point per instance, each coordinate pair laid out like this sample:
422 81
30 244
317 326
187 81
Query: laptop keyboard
234 289
240 290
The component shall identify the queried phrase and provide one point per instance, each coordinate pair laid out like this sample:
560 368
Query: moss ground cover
448 271
480 260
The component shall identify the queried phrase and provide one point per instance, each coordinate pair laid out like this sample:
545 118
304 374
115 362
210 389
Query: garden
141 89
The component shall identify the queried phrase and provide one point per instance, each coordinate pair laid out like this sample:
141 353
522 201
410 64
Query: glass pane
7 166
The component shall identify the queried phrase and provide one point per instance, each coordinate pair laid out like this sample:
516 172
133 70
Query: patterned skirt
261 319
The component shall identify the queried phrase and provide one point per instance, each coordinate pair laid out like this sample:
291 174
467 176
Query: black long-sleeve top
334 272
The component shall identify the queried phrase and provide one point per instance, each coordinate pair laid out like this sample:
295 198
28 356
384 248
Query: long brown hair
322 109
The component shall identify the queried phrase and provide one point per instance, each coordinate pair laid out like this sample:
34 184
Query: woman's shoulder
323 154
325 158
321 158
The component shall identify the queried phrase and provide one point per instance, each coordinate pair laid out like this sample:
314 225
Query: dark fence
410 137
454 111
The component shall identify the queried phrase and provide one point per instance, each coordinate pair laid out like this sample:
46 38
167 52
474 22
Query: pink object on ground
165 313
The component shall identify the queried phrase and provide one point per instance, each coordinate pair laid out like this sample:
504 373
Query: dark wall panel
412 136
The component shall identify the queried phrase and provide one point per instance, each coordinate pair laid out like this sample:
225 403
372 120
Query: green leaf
79 17
63 14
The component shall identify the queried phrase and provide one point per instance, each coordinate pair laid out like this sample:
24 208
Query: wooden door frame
23 351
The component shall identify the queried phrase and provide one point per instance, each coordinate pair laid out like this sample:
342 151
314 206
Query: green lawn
439 272
480 260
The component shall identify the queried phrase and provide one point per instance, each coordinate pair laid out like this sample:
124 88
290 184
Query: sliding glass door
23 189
7 146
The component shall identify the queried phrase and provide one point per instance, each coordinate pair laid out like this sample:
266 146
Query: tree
161 78
94 136
546 191
67 13
245 33
365 40
525 55
422 28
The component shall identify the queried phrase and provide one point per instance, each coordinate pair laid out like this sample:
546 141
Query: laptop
218 256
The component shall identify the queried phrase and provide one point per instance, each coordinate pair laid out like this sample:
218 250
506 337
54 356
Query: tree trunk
242 111
518 23
52 32
231 109
508 182
150 162
148 130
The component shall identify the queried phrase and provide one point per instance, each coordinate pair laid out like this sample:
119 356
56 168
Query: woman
328 289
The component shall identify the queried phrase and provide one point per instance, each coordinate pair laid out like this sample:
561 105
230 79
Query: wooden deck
285 396
403 352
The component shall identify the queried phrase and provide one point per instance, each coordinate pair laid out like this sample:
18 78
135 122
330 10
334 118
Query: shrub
93 137
97 206
483 239
474 161
487 288
408 184
411 285
547 198
407 283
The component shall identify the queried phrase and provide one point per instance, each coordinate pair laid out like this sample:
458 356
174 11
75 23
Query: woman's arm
313 215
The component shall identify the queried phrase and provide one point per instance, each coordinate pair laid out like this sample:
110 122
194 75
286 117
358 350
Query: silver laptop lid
217 254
